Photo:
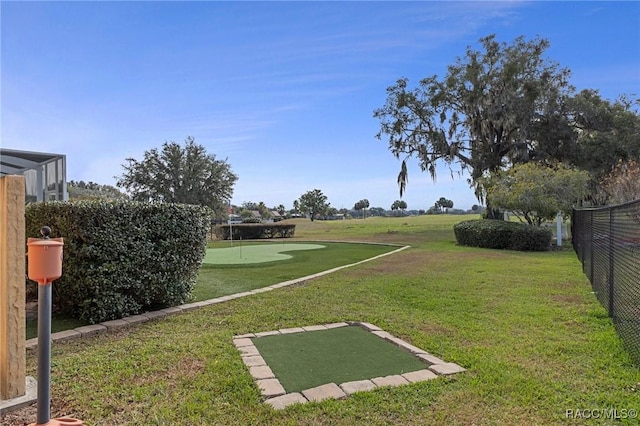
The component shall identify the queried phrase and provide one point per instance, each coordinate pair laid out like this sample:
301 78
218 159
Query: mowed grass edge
223 280
535 342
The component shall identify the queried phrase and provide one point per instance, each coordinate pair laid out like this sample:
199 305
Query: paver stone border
276 396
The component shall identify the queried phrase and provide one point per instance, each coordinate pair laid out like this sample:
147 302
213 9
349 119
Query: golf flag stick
229 213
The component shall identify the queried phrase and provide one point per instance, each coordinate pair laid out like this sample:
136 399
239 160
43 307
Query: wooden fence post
12 288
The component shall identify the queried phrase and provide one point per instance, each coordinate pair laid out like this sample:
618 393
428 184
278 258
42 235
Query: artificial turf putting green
305 360
259 253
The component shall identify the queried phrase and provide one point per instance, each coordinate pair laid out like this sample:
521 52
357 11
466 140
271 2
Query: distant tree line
81 190
497 108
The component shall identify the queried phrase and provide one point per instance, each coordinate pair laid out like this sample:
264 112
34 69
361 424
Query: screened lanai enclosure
45 174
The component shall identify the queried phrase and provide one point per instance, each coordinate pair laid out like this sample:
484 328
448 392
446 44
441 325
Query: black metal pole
591 247
44 353
611 264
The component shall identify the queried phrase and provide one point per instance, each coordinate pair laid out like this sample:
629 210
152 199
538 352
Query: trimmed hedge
254 231
122 258
499 234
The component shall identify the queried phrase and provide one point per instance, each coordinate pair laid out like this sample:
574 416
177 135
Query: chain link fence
607 241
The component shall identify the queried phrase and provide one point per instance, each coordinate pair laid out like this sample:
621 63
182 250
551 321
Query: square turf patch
306 364
305 360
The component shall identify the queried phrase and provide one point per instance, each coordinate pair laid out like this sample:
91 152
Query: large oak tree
480 116
179 174
590 133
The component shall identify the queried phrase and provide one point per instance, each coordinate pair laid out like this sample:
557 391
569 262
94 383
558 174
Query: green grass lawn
526 326
222 280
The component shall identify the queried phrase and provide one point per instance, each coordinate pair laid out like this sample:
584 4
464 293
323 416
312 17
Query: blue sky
285 91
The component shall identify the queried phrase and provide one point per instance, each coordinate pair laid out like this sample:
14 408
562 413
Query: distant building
276 216
45 174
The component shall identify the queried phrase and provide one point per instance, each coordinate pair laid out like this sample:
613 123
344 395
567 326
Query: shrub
251 219
254 231
500 234
122 258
